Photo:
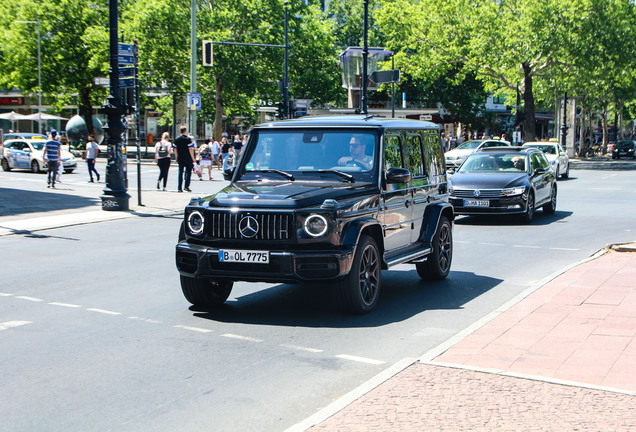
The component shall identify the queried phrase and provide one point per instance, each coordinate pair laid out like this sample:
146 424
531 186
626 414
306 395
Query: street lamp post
37 21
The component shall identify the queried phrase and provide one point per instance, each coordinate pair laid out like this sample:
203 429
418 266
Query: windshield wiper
344 175
279 172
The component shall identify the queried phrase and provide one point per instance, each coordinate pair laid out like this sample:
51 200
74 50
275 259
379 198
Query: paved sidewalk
560 357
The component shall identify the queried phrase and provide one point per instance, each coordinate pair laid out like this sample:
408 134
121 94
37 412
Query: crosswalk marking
10 324
360 359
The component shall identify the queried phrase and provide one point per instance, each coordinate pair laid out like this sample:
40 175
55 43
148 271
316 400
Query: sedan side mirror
228 173
398 175
538 171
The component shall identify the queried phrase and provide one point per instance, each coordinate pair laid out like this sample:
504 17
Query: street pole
286 71
365 58
115 196
393 89
193 65
37 21
564 125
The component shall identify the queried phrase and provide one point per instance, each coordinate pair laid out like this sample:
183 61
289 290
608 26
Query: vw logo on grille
477 193
248 226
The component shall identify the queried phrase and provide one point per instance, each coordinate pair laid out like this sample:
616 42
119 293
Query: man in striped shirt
53 154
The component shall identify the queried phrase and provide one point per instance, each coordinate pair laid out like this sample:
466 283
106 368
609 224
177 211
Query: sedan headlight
316 225
514 191
195 222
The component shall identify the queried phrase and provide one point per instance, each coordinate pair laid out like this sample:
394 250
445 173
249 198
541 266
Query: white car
454 158
559 160
27 154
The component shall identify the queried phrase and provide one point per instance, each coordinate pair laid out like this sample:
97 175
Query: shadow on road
18 201
403 295
540 219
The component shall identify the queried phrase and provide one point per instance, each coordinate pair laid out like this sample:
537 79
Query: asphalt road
95 334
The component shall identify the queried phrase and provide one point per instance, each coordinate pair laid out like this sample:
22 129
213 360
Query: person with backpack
163 152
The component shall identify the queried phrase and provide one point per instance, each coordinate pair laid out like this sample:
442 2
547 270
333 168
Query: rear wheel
205 292
438 264
5 165
358 292
529 214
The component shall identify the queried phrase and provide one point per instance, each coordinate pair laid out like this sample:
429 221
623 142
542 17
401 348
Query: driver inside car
358 156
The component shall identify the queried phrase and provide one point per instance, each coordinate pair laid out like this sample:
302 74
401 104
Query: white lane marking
359 359
10 324
301 348
196 329
33 299
491 244
5 295
103 311
564 249
68 305
527 247
148 320
239 337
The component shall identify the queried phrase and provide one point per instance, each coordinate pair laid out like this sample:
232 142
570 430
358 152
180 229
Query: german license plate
244 256
476 203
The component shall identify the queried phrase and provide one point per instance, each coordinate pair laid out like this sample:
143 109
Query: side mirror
538 171
398 175
228 173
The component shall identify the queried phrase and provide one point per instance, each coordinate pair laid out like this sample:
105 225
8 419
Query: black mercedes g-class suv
332 199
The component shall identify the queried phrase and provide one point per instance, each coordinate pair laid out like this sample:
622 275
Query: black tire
5 165
528 215
205 292
358 292
567 172
35 167
550 207
68 171
438 264
558 176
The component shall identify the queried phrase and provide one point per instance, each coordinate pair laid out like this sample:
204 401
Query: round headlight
316 225
195 223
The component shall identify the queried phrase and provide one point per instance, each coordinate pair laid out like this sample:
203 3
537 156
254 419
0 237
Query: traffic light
208 54
280 110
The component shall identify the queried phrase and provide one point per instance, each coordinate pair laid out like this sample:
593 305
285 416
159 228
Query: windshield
624 145
545 148
469 145
38 145
288 153
490 163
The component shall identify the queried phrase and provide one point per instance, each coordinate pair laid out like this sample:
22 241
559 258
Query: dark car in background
331 200
624 149
513 180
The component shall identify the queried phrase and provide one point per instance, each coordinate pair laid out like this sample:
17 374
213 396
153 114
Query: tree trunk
86 110
582 131
605 131
218 116
529 122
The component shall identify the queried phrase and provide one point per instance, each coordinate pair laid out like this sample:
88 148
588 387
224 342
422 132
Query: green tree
74 50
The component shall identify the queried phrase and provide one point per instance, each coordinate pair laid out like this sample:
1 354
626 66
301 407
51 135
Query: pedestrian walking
53 154
92 150
205 159
225 152
185 158
215 149
163 152
237 147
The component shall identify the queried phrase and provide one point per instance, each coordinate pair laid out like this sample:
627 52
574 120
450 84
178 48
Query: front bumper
284 266
504 205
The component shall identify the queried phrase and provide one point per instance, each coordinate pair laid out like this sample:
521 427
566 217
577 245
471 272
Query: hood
285 194
456 153
487 181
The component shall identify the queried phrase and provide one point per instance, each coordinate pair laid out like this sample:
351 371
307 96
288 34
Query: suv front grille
271 226
483 193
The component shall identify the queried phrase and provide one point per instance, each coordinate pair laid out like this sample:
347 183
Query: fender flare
432 216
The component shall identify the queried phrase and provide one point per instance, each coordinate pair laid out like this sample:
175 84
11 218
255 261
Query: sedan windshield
301 151
623 145
494 163
469 145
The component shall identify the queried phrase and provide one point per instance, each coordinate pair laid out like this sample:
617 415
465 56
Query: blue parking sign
194 101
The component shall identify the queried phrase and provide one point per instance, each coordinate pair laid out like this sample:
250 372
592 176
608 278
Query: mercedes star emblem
477 193
248 226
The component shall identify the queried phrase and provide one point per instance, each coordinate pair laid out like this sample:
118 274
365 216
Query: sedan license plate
244 256
476 203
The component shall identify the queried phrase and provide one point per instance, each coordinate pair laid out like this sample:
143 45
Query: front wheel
567 172
358 292
529 214
205 292
438 264
35 167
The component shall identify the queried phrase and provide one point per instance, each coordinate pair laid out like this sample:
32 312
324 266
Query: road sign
126 59
125 48
126 82
126 72
126 54
194 101
385 76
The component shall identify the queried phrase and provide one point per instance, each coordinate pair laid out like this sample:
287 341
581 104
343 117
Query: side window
433 155
413 152
392 154
538 161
